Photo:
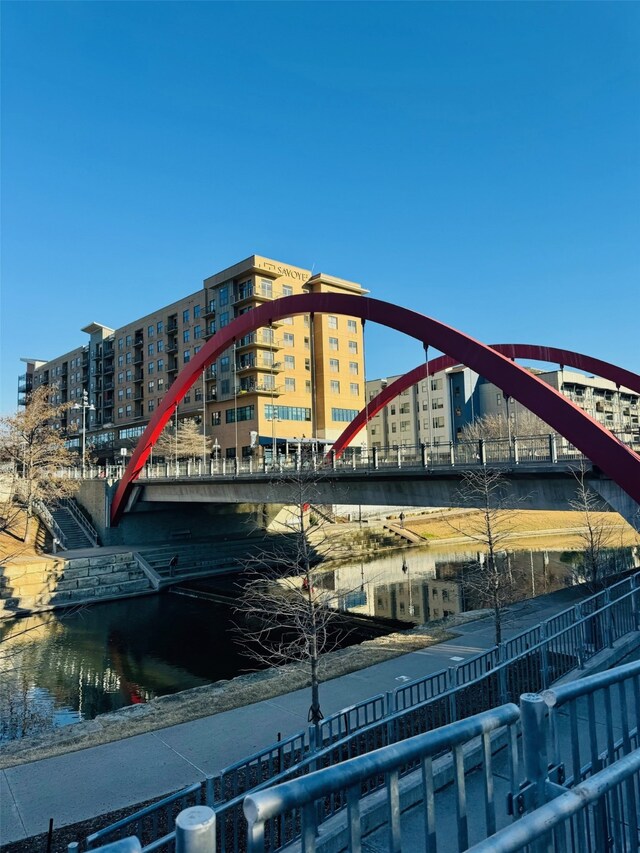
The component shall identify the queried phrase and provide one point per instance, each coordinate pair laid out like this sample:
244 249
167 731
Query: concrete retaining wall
51 583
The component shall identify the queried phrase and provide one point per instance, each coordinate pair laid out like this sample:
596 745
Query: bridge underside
528 490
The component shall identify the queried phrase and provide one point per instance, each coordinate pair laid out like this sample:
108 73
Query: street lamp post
84 406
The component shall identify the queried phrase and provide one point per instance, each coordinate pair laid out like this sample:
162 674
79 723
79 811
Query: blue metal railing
532 660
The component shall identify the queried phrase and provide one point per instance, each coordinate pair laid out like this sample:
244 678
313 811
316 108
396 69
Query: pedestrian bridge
541 472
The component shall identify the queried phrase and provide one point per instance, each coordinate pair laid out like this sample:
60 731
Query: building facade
436 410
298 381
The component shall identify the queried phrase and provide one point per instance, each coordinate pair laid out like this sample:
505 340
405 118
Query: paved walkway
79 785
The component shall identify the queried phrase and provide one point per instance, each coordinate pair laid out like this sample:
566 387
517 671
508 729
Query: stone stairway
75 536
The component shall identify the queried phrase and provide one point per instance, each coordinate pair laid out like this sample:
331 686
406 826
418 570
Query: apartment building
298 381
430 412
437 410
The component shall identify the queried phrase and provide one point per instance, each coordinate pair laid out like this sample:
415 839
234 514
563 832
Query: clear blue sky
477 162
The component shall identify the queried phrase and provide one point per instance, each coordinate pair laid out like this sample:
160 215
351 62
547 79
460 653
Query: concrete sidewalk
101 779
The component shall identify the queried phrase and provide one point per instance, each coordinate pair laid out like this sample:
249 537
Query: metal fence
591 810
530 661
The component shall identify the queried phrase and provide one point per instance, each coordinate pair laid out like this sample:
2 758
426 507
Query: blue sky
477 162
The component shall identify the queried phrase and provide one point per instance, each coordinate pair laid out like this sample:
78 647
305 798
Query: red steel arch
613 457
566 358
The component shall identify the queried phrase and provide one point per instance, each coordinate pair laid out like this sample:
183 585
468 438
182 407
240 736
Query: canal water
58 669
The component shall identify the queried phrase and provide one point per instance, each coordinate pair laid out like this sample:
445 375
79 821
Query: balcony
248 363
209 311
108 367
252 387
138 341
261 338
172 326
253 293
172 346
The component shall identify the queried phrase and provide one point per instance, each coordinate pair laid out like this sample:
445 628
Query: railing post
608 628
553 449
482 451
533 716
399 455
423 453
188 467
236 465
580 649
544 656
452 454
375 458
224 467
516 455
333 460
634 603
502 673
196 830
389 710
452 683
354 458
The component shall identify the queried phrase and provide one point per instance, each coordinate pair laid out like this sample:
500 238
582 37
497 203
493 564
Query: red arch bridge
541 471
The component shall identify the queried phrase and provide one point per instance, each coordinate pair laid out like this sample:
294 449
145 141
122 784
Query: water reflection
423 585
59 669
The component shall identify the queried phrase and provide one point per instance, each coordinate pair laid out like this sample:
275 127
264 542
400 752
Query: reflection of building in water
445 598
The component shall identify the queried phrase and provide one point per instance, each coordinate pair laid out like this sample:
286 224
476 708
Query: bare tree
490 581
596 533
497 426
187 444
37 450
284 607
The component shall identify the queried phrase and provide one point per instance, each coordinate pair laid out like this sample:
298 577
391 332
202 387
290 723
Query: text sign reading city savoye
287 271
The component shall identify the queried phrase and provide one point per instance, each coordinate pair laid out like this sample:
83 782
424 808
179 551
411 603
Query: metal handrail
557 696
50 523
553 814
89 529
301 793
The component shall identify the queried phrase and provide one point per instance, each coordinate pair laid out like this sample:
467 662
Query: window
334 365
224 387
186 356
120 411
151 386
151 349
242 413
128 410
404 408
196 350
120 394
332 321
196 312
129 394
128 358
197 332
198 394
160 327
333 343
334 386
216 419
436 384
150 367
185 316
307 364
354 387
151 406
129 375
224 364
161 364
352 326
307 344
437 403
307 386
185 336
353 347
120 360
289 339
392 409
287 413
120 344
498 399
120 378
287 290
438 423
160 383
224 319
151 331
288 321
289 384
290 362
129 340
224 295
394 427
353 368
343 415
160 346
404 426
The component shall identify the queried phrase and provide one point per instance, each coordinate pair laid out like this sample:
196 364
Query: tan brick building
300 380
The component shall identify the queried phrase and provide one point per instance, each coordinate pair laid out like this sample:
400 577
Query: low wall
48 584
